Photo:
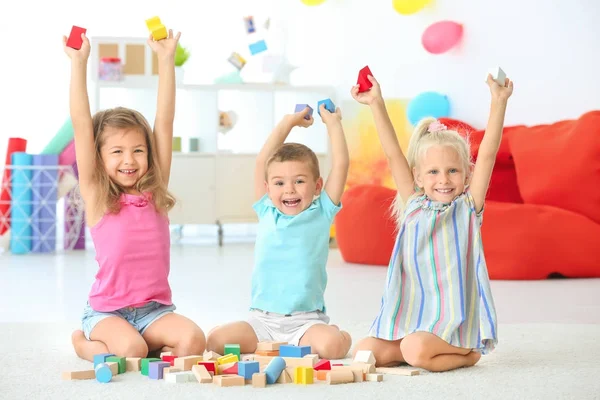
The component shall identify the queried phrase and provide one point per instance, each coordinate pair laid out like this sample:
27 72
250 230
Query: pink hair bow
436 126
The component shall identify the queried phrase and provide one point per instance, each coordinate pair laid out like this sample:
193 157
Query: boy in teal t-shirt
295 213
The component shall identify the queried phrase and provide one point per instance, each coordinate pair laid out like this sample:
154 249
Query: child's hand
330 118
82 54
500 92
298 119
165 48
370 96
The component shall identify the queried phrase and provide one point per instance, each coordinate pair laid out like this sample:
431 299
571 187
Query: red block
169 359
322 365
75 40
363 80
211 366
231 370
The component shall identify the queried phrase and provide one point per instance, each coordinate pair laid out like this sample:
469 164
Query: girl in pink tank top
124 168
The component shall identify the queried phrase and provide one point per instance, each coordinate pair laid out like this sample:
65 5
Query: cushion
365 229
559 164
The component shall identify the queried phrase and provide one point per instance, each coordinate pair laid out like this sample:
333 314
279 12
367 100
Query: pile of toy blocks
273 362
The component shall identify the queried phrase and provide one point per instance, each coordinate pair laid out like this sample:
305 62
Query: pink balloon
441 36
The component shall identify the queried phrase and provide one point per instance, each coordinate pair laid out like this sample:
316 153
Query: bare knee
215 340
191 343
133 346
333 346
415 352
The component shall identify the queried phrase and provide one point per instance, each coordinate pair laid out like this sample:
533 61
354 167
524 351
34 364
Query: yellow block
228 358
153 22
159 32
303 375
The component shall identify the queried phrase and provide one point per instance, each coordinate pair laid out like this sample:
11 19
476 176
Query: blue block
289 350
155 369
247 368
258 47
103 373
301 107
329 106
100 358
274 369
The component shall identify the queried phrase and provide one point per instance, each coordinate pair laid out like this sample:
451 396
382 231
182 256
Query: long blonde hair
430 132
152 182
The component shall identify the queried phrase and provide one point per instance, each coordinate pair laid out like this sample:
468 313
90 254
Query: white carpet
533 361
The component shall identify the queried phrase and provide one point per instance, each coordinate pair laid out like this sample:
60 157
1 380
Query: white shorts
274 327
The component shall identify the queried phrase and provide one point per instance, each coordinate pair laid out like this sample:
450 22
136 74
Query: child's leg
239 332
327 341
176 333
387 352
110 335
426 350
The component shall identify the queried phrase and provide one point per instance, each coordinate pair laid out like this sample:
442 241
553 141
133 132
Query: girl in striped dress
437 311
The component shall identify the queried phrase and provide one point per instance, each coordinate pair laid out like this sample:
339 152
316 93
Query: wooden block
232 369
186 363
165 353
322 365
284 377
229 380
211 356
366 368
74 41
247 357
299 362
268 353
133 363
374 377
169 359
315 358
170 370
398 371
341 368
211 366
114 367
228 358
290 351
364 356
259 380
180 377
263 360
358 376
201 374
338 377
322 374
121 361
269 346
233 349
303 376
78 375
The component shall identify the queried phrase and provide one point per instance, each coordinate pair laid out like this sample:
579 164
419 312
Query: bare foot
473 358
86 349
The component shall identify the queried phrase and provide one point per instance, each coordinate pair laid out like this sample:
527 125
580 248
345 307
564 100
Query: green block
145 362
233 349
120 361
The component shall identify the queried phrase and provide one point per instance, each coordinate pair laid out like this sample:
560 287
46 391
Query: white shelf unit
215 184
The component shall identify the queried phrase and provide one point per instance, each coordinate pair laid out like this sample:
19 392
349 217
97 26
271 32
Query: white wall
551 52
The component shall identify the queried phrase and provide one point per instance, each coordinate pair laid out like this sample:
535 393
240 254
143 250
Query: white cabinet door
192 183
235 187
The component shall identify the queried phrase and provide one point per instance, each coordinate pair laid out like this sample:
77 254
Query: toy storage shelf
215 184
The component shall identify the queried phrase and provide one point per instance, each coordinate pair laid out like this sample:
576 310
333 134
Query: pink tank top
133 251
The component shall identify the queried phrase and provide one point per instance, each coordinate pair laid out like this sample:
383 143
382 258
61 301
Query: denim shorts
139 317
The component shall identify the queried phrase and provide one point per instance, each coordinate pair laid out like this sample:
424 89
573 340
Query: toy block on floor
363 81
322 374
274 369
78 375
211 366
75 41
170 359
170 370
121 362
338 377
186 363
273 353
210 356
156 28
269 346
114 367
229 380
132 363
289 350
285 377
322 365
180 377
303 376
155 369
329 106
247 368
358 376
398 371
228 369
299 362
365 368
258 47
248 357
233 349
228 358
374 377
301 107
202 374
100 358
365 356
314 357
144 364
259 380
104 373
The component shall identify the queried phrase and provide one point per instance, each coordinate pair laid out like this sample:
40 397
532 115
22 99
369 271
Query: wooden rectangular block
366 368
201 374
121 362
229 380
133 363
228 358
77 375
269 346
337 377
358 376
170 370
259 380
186 363
211 366
180 377
299 362
268 353
314 357
263 360
322 374
233 349
114 367
365 356
398 371
374 377
211 356
303 376
284 377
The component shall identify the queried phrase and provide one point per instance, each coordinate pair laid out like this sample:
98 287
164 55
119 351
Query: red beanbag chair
364 228
525 241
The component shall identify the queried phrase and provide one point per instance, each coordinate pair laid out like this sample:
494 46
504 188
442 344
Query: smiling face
292 186
124 153
441 173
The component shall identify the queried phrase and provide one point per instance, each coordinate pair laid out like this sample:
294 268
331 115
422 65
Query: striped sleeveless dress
437 279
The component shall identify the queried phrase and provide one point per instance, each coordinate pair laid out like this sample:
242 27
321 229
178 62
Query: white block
374 377
498 75
181 377
365 356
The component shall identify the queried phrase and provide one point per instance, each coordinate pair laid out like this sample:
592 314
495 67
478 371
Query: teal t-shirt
290 256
